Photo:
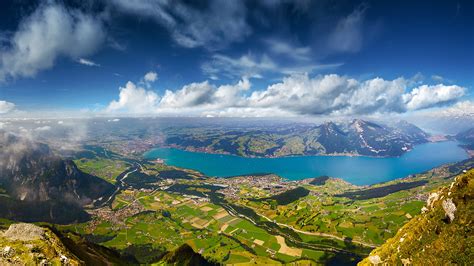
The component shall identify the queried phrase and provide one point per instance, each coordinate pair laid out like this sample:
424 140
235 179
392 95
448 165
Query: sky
236 58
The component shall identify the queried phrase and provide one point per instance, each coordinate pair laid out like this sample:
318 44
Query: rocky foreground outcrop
28 244
443 234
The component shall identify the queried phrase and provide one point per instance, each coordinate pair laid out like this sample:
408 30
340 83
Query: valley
236 133
145 209
262 219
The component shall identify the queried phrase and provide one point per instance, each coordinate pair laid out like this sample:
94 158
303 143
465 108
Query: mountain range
356 137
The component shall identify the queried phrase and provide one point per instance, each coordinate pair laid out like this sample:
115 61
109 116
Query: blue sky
290 57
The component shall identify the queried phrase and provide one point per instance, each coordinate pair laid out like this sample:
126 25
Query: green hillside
442 234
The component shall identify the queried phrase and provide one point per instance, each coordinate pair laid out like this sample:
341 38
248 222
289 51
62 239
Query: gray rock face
449 208
24 232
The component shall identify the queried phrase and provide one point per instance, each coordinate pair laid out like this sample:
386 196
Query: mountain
25 244
29 244
357 137
185 255
466 136
39 186
360 137
442 234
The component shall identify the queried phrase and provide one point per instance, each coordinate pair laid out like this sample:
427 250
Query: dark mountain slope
32 177
185 255
466 136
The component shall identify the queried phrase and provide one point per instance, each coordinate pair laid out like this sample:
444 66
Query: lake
356 170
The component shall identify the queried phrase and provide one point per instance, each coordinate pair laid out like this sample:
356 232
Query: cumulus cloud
460 109
331 94
212 25
49 32
134 99
87 62
6 107
428 96
204 95
150 76
295 95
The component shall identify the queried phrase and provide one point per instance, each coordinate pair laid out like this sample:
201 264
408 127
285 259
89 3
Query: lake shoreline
272 157
469 152
358 170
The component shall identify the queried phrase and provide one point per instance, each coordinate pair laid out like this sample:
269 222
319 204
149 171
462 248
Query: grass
107 169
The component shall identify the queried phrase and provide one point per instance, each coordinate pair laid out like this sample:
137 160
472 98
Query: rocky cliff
443 234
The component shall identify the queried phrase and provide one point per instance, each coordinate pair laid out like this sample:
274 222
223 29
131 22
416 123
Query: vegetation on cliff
442 234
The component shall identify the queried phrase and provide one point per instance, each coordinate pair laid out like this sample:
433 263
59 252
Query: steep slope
357 137
466 136
39 185
411 131
28 244
333 139
442 234
184 255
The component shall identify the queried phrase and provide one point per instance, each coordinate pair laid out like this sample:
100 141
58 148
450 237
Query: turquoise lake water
356 170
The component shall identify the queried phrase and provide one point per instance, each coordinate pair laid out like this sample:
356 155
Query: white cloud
150 76
133 99
87 62
437 78
205 95
283 48
44 128
212 25
252 66
50 32
295 95
460 109
113 120
247 65
348 34
331 94
428 96
6 107
190 95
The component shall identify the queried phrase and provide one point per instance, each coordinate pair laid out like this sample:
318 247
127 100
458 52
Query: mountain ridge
37 183
356 137
442 234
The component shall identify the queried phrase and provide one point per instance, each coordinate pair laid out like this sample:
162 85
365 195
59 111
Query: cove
356 170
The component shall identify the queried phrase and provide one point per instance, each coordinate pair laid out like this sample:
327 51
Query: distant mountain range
466 136
38 185
467 139
357 137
